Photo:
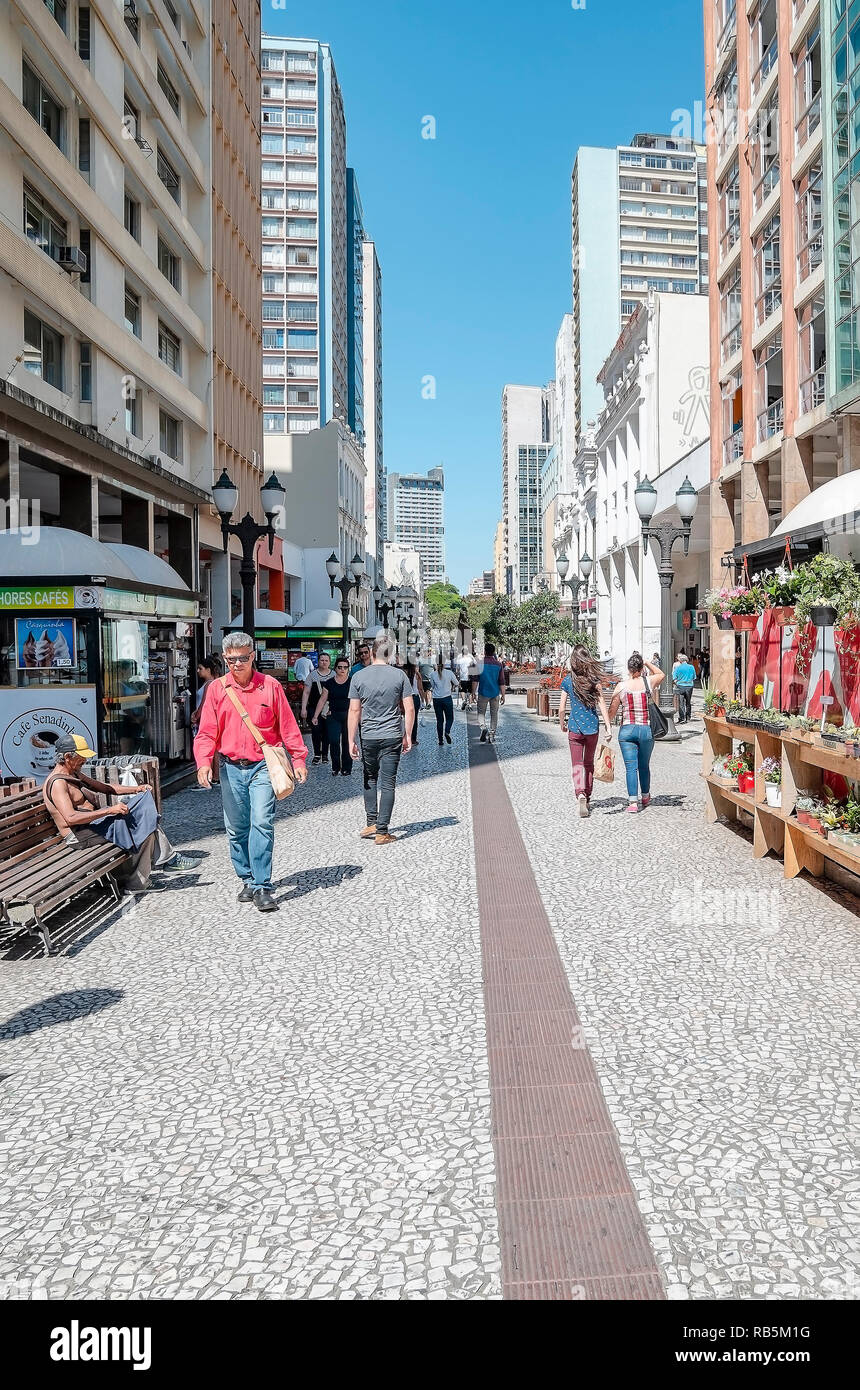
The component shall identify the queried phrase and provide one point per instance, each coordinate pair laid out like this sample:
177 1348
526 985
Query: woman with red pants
583 693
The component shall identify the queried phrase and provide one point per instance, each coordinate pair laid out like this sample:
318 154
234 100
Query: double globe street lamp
384 600
225 495
666 535
345 581
586 565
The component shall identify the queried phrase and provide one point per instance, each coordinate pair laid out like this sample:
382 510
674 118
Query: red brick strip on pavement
569 1222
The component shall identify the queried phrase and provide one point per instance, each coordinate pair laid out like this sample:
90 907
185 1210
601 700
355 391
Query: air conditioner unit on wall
72 259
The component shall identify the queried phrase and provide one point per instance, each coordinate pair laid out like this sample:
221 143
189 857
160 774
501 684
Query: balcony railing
731 341
813 390
730 235
768 303
770 421
766 184
767 61
728 33
808 123
809 257
733 447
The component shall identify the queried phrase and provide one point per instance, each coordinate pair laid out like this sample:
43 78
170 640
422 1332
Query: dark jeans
338 741
685 703
637 745
444 714
319 738
381 759
582 750
416 700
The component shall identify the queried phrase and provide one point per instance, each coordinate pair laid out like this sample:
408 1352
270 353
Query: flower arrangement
781 587
714 700
740 599
771 770
829 595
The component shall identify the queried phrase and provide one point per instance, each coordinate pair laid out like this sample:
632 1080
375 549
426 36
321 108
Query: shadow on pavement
59 1008
309 880
418 827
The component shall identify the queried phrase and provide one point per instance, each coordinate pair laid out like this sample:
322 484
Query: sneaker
180 863
448 738
492 738
483 738
632 809
583 806
315 759
646 801
368 833
386 839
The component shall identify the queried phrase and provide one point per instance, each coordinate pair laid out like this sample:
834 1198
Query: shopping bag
604 764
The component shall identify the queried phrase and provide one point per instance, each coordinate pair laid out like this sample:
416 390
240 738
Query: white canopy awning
57 553
265 620
326 620
840 497
148 568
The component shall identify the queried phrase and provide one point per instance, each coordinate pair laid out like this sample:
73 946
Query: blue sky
473 228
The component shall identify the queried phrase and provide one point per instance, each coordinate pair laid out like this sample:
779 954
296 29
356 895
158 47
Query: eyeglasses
238 660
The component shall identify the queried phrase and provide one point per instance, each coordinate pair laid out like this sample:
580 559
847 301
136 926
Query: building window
273 201
43 225
132 412
58 9
170 436
86 244
768 360
727 110
272 144
272 60
302 338
273 422
169 264
768 270
86 376
273 91
43 350
273 395
730 314
272 284
807 88
168 89
171 10
84 145
132 311
273 310
729 209
131 215
763 28
302 313
168 176
301 424
812 354
764 151
84 33
272 173
301 255
273 338
300 118
130 119
301 366
169 348
301 144
809 222
132 20
302 395
273 366
301 229
273 226
42 104
273 115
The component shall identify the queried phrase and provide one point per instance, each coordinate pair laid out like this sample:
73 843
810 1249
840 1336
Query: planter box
745 622
783 617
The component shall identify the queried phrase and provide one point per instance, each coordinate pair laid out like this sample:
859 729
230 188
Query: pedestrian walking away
413 675
443 686
425 666
582 694
334 708
247 794
465 666
706 664
382 707
684 676
69 796
312 691
489 687
635 738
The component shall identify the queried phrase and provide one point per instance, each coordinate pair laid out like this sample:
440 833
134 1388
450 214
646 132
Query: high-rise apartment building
783 324
374 496
527 422
304 227
639 224
416 517
354 306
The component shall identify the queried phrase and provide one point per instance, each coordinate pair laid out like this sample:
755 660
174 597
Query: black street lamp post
345 581
686 499
225 495
586 565
384 601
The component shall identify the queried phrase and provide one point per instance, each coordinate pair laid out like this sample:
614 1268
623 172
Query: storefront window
127 704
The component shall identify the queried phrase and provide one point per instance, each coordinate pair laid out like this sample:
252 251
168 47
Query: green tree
445 605
533 627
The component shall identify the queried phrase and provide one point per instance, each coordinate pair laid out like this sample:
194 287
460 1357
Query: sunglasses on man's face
238 660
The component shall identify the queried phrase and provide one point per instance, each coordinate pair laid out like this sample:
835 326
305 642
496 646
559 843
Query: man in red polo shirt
246 791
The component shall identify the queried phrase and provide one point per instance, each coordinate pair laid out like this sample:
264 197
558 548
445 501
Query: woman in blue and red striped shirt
635 738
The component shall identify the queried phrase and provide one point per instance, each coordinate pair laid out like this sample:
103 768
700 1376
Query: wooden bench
39 873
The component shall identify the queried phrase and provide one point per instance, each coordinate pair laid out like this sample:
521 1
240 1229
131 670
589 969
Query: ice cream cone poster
45 643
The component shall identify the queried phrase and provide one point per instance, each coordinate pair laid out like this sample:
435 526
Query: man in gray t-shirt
380 702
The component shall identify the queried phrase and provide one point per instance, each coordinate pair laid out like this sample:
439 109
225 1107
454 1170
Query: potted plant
716 601
828 594
715 702
781 588
745 605
771 771
746 782
814 817
803 806
831 819
728 767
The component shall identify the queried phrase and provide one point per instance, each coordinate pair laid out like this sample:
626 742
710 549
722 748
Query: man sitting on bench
67 793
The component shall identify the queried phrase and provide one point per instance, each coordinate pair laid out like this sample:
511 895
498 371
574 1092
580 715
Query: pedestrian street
497 1058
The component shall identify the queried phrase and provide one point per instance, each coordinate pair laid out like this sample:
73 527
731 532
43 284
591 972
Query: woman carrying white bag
582 691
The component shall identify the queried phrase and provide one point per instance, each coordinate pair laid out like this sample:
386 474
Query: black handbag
656 718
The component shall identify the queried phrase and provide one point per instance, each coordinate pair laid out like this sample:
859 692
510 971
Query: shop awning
830 502
265 620
325 620
147 568
57 553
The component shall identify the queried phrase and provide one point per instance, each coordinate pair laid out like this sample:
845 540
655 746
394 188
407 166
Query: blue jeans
249 819
637 745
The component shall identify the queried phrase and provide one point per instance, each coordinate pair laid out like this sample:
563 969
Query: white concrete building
527 424
655 423
639 225
416 518
374 487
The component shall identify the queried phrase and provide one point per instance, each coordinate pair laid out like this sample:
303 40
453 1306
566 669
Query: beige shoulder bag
277 758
